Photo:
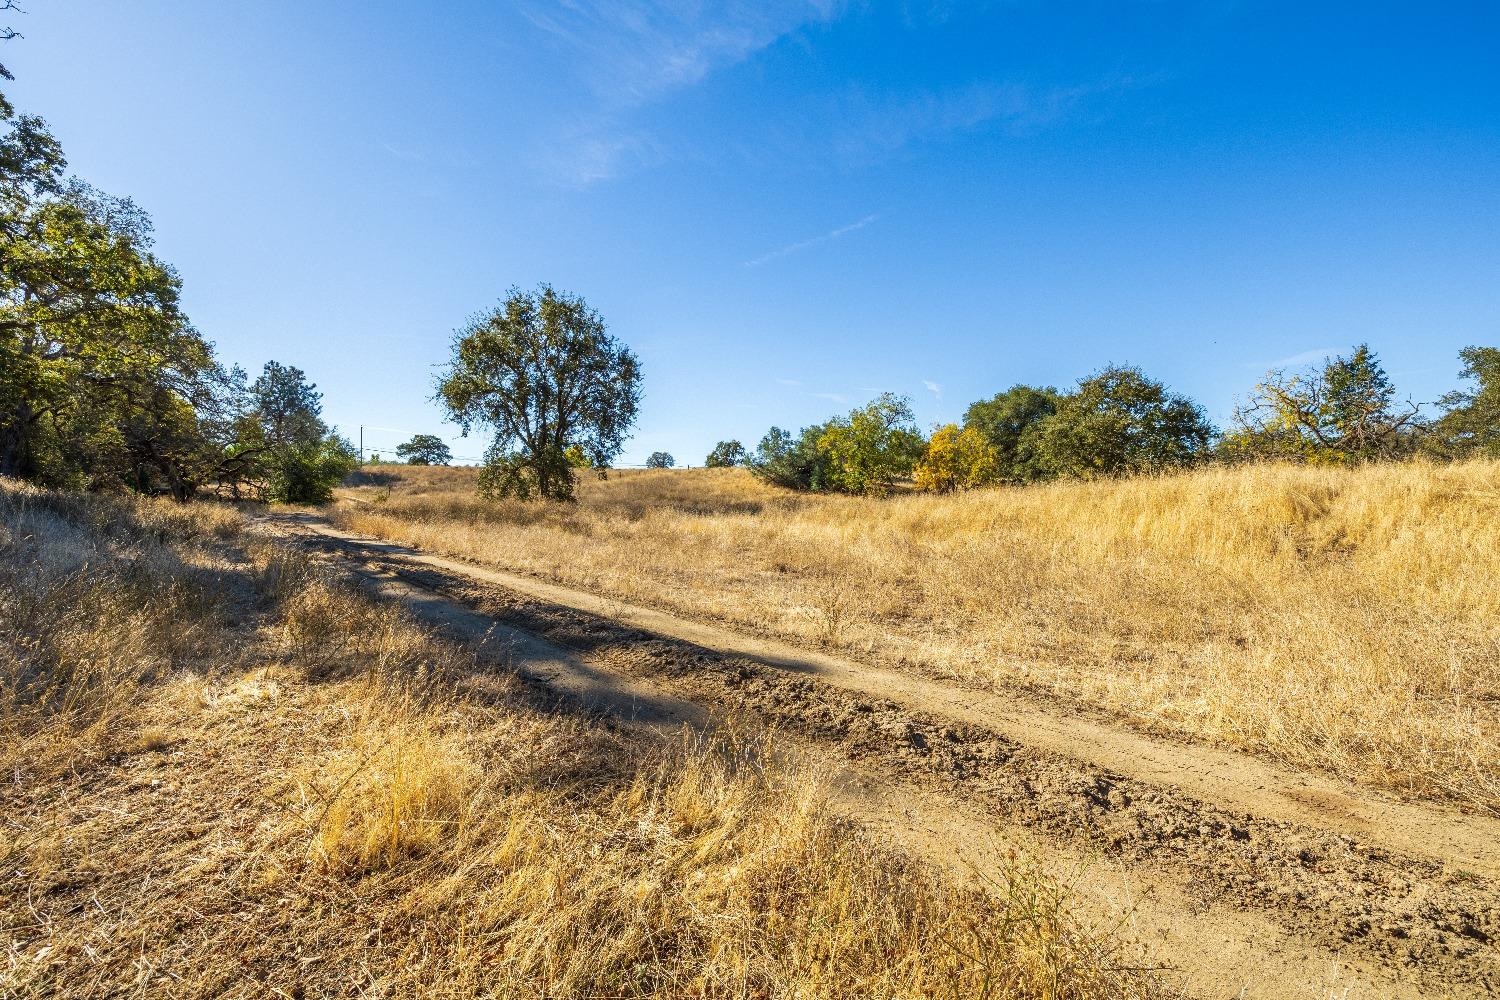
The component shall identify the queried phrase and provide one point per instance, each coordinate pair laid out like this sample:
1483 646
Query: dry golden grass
95 605
228 775
1342 619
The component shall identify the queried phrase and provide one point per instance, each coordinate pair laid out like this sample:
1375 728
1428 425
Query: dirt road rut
1248 879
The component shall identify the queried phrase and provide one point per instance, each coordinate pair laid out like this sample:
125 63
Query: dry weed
1344 619
284 808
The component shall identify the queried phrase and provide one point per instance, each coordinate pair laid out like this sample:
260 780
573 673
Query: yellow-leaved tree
956 460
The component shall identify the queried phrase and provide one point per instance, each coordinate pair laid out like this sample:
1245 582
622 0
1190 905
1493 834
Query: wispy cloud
793 382
600 156
836 397
933 387
633 51
801 245
875 124
623 56
627 54
1296 360
403 153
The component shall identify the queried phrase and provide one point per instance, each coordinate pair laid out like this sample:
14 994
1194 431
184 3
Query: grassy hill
229 774
1344 619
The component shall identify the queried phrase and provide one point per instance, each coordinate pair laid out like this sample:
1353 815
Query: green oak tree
424 449
1120 422
1470 424
1010 421
725 454
541 373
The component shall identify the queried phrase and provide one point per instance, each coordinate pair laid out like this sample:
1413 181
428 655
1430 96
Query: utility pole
361 444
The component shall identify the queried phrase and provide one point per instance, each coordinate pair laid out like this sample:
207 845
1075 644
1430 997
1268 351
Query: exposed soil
1252 880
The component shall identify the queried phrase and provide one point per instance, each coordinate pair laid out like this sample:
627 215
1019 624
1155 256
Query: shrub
308 473
956 460
790 462
1120 422
871 448
1010 422
725 454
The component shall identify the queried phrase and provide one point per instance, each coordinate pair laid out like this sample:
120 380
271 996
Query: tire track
1243 901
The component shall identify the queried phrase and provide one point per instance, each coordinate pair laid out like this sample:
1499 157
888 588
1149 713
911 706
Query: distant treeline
1119 422
104 383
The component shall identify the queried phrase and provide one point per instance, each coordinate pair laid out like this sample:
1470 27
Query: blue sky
787 207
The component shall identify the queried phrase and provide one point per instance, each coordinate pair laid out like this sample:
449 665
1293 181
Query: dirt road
1247 879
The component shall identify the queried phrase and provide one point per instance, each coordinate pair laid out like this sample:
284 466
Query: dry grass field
229 775
1342 619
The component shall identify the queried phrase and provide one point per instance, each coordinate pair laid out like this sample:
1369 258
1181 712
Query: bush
957 460
871 448
865 452
308 473
1120 422
725 454
794 463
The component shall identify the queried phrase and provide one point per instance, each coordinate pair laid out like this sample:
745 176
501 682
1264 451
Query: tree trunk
15 457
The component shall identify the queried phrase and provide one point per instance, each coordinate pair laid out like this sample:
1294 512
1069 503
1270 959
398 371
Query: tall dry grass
263 784
95 604
1344 619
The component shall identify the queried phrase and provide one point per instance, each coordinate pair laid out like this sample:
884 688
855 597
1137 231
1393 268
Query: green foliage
103 381
281 448
871 448
1010 422
1471 424
957 460
307 472
95 353
541 373
288 408
1120 422
794 463
511 475
865 452
726 454
660 460
1341 413
576 458
424 449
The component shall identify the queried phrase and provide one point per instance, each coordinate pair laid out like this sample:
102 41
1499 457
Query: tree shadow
367 477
